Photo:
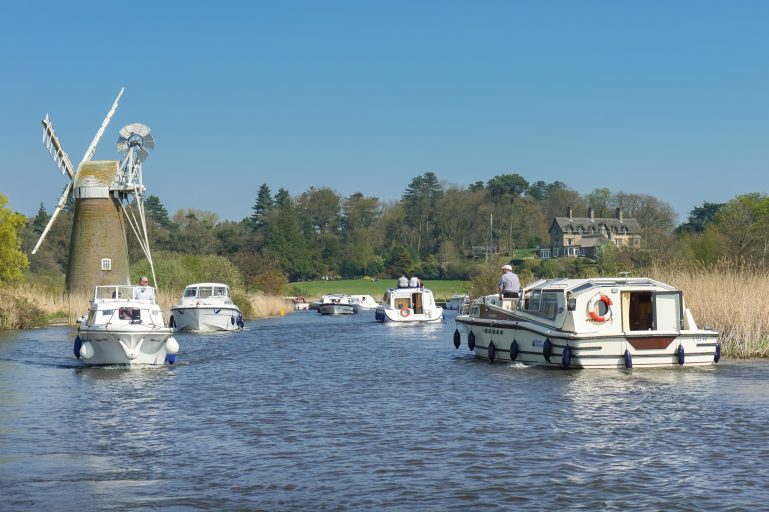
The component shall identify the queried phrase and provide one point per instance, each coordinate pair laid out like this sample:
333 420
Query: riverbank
728 301
27 306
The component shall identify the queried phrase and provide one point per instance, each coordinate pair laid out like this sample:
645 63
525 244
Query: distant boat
364 301
206 307
588 323
456 301
409 305
124 326
336 304
300 303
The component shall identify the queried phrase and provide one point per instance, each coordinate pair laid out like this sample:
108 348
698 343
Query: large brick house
582 236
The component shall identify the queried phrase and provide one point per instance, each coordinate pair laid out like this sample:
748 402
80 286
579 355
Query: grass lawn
314 289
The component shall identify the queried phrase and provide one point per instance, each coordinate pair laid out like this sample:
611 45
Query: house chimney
569 212
619 214
591 213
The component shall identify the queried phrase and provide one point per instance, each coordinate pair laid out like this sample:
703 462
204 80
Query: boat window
532 301
190 292
581 288
543 304
402 302
220 291
204 291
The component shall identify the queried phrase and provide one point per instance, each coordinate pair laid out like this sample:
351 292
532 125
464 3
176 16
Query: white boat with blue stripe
206 307
124 326
588 323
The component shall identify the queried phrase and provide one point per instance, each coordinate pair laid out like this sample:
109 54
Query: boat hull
529 343
337 309
206 318
408 316
102 346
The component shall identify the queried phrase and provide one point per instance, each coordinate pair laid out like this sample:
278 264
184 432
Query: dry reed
727 300
51 306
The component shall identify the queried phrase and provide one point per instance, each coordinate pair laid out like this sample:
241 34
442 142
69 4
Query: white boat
120 329
364 301
409 305
300 303
588 323
336 304
456 301
206 307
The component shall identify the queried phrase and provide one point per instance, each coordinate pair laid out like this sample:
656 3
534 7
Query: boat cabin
629 304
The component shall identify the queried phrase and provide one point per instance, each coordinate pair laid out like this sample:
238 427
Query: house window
106 264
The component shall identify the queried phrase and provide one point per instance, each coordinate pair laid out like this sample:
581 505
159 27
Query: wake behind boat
124 326
206 307
588 323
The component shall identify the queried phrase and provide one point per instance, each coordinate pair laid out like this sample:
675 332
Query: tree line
435 230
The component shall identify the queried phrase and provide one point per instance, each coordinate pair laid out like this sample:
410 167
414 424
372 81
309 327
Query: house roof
593 240
633 228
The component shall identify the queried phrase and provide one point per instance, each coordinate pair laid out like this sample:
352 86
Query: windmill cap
507 267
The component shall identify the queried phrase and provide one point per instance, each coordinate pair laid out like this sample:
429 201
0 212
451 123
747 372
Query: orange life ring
405 312
591 308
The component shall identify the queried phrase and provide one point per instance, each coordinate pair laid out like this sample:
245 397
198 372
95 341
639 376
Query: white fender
172 346
86 350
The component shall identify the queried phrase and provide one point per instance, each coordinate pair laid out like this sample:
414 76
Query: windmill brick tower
108 196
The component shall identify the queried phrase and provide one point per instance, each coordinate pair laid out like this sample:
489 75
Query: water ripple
318 413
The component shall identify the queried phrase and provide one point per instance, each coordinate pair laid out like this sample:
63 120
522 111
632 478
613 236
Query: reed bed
730 301
28 305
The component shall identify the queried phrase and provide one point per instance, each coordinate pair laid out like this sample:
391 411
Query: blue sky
663 98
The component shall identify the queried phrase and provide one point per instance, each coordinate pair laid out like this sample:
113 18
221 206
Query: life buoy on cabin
594 308
491 351
405 312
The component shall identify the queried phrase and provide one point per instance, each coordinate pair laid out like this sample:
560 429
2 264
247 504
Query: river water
309 412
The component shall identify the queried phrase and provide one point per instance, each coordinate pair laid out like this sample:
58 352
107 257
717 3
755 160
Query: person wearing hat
509 285
144 290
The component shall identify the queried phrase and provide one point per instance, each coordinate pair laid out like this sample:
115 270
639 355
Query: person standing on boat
509 285
414 282
403 282
144 290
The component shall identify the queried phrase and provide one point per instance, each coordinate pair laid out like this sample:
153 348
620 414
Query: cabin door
417 300
668 314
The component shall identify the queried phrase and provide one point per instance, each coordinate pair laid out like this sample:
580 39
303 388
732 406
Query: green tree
600 200
196 231
13 261
743 223
157 212
285 241
419 201
505 190
263 203
700 217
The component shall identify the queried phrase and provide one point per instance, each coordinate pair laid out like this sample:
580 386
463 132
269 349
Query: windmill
108 195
